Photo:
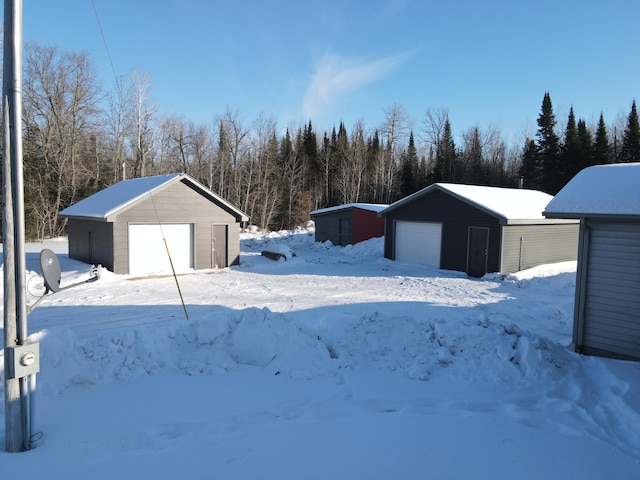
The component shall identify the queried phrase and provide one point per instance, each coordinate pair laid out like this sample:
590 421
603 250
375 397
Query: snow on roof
105 202
599 190
509 203
374 207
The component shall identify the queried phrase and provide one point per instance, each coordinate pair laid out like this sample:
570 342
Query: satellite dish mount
50 266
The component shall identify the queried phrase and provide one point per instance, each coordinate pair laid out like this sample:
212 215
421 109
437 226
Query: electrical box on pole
23 360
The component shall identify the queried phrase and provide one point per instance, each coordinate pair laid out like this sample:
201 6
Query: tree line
80 138
549 161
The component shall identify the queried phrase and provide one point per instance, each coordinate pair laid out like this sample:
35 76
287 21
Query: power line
106 45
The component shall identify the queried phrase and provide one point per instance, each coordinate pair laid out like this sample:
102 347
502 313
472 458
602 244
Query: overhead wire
106 45
164 239
166 246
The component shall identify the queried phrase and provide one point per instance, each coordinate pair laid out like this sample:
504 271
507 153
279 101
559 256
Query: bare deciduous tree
116 124
434 123
61 95
141 116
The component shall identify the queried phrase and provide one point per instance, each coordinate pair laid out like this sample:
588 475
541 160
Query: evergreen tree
571 153
423 174
631 141
472 159
341 158
445 169
309 152
333 159
601 148
409 169
530 171
549 149
586 146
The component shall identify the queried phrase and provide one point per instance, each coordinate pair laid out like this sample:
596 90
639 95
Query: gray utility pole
21 359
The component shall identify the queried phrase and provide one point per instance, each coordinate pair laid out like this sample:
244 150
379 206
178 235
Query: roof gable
505 203
118 196
372 207
601 190
126 193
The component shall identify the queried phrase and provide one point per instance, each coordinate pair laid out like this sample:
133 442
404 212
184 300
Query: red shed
348 224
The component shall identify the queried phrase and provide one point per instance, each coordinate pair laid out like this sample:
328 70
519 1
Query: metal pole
13 407
17 391
18 217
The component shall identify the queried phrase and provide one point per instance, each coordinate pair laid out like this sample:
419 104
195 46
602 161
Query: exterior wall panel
91 242
608 310
526 246
366 224
331 227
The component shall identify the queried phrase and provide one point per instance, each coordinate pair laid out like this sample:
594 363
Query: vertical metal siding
80 232
611 319
328 227
526 246
366 225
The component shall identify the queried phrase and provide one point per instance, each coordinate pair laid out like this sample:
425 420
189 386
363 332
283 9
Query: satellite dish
50 266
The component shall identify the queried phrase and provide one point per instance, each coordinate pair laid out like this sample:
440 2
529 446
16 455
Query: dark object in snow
279 252
273 255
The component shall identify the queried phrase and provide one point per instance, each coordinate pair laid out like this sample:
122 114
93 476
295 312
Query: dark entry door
90 248
219 246
478 249
344 231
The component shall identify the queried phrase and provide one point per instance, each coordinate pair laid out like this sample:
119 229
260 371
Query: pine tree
571 152
631 140
311 159
409 169
601 148
549 149
375 180
472 159
445 169
586 146
530 171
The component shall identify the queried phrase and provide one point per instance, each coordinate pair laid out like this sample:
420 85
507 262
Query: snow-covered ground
334 364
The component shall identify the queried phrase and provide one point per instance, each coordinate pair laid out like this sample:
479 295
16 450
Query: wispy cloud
336 76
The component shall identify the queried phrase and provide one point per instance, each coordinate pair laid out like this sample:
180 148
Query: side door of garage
477 251
418 242
219 250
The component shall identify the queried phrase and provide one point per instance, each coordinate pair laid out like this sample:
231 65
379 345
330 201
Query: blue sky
488 63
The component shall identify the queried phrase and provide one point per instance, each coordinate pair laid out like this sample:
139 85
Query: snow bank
337 362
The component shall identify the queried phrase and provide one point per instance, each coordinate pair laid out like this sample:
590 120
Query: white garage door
148 253
418 242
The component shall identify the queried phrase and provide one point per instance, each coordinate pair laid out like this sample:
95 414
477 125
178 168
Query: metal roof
373 207
510 204
126 193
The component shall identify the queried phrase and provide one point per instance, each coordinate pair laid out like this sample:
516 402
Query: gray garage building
129 226
606 200
477 229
